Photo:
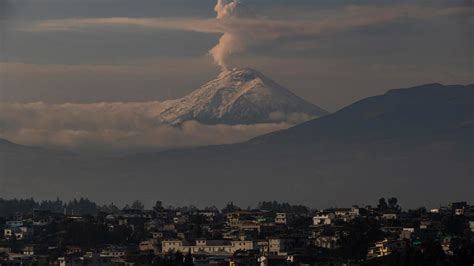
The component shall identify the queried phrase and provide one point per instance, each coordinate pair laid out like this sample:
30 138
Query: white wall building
212 247
281 218
323 218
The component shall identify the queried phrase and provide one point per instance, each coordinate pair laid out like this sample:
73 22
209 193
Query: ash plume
234 39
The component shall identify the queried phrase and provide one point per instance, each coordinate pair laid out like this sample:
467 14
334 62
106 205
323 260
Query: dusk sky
330 53
406 43
208 101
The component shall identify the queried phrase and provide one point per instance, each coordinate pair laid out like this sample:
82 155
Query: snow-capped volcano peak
244 73
238 96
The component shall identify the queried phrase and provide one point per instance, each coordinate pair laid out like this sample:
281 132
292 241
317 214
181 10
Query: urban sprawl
80 232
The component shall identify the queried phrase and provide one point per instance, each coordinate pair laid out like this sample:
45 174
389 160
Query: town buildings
337 236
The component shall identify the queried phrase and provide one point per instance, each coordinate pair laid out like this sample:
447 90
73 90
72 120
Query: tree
188 259
358 235
82 206
392 204
230 207
463 249
138 205
158 206
433 253
382 204
111 208
274 206
211 209
178 258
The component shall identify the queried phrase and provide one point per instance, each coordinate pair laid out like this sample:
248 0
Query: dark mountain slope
422 111
414 143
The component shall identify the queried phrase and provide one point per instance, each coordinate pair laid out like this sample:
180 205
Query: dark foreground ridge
80 232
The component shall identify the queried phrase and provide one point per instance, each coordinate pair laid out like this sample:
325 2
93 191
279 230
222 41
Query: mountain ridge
433 157
452 100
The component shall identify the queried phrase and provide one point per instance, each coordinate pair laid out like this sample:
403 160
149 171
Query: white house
148 245
329 242
114 252
322 218
279 246
19 232
211 247
281 218
389 216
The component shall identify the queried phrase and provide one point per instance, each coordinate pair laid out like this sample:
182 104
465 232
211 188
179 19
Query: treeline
271 206
83 206
274 206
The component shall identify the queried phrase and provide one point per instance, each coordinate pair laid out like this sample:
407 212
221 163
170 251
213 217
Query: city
236 133
82 233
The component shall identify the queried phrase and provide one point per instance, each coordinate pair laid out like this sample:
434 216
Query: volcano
239 96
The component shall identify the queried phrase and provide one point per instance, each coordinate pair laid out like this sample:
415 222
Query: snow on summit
239 96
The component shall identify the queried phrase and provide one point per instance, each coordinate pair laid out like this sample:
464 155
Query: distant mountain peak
238 96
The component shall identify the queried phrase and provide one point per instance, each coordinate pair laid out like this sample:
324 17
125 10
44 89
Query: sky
330 53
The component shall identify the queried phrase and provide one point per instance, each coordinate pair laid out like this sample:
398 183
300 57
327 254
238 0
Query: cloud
233 41
232 9
116 126
241 28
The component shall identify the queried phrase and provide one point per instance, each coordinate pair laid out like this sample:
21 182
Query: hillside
416 144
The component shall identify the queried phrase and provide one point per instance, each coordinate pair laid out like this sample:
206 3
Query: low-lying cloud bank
110 126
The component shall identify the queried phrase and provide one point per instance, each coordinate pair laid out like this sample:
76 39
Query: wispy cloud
241 28
324 21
